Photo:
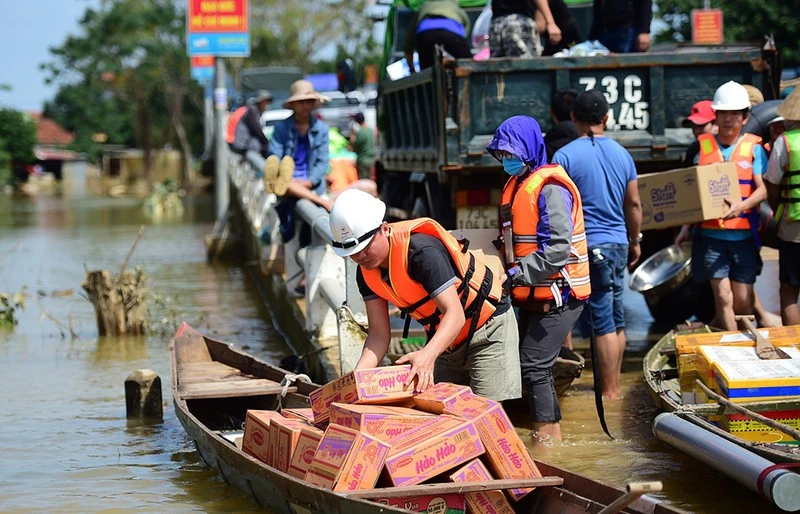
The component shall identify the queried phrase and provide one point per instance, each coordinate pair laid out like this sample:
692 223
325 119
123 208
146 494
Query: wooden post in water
119 302
143 395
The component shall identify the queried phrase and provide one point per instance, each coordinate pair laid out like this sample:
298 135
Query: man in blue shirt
605 175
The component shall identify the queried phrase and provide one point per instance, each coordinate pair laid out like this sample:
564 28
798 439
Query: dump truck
434 125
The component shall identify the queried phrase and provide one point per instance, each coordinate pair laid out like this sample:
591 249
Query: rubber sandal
285 172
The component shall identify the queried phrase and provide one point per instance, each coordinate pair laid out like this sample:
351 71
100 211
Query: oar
634 491
764 349
771 423
598 392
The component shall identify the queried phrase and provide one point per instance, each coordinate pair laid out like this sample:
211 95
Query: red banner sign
203 61
217 16
707 26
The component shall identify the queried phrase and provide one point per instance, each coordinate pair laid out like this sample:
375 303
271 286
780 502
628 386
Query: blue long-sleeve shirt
284 142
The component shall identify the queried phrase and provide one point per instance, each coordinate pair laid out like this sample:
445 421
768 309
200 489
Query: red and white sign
707 26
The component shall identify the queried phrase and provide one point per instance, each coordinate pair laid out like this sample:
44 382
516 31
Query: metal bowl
664 271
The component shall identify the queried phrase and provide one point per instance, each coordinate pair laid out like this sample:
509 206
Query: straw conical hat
790 108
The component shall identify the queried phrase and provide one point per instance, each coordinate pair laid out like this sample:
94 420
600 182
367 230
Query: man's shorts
492 367
607 265
514 35
789 263
739 261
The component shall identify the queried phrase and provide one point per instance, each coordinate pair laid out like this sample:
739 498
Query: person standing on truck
244 126
622 26
604 173
513 31
783 190
547 270
438 22
565 21
422 269
726 251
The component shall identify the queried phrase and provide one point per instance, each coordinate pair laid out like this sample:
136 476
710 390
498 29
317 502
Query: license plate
477 217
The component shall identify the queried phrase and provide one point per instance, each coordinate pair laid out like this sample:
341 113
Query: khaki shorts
492 368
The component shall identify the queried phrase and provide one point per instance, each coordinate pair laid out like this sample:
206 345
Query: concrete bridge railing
335 312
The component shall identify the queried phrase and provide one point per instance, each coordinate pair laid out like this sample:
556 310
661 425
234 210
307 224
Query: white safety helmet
355 218
731 96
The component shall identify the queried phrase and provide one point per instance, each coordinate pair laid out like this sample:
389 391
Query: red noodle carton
383 422
428 503
288 432
347 460
304 451
303 414
488 502
255 441
365 386
433 399
422 433
506 453
439 453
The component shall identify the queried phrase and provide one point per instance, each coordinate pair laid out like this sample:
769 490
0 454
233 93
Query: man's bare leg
790 310
723 304
546 434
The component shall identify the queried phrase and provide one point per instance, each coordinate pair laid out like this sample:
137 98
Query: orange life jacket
477 288
520 201
233 120
743 152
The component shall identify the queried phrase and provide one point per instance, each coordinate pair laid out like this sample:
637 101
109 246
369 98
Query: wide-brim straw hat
303 90
790 108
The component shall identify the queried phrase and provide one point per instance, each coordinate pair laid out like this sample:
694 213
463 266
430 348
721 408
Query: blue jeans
621 40
607 265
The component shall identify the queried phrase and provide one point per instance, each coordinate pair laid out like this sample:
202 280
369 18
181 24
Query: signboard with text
218 28
707 26
202 67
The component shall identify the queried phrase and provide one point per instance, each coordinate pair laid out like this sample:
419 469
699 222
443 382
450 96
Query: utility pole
221 195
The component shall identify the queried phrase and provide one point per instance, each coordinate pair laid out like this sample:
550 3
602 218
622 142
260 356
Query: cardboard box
430 504
489 502
744 381
304 451
303 414
433 399
687 195
364 386
439 453
255 441
506 453
424 432
383 422
751 430
288 433
347 460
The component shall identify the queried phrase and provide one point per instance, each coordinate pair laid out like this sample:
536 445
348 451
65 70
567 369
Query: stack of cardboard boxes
372 431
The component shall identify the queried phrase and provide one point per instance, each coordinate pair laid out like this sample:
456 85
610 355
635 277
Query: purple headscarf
522 137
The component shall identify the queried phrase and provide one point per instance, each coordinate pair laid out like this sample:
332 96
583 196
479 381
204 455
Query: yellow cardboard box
687 195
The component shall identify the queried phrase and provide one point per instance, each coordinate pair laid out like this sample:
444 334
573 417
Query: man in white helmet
421 268
726 251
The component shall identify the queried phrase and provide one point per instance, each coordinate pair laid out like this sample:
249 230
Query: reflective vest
233 120
743 152
477 288
520 199
789 199
343 173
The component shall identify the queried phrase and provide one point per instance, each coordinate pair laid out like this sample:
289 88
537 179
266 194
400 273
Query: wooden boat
661 376
215 384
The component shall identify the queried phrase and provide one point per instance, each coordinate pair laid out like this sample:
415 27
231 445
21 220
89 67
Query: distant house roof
48 132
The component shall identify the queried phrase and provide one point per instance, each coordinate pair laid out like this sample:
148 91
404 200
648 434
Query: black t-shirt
430 265
503 7
691 153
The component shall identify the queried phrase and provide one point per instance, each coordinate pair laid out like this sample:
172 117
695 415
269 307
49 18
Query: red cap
701 114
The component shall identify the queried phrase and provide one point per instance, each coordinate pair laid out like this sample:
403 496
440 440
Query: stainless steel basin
664 271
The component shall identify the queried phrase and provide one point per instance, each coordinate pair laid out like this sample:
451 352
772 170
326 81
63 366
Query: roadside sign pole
221 148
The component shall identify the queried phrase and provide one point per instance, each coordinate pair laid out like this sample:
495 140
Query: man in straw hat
244 125
783 192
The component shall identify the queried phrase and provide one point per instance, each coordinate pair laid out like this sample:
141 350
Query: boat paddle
764 349
598 392
633 491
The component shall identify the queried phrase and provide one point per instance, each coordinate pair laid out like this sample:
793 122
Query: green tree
17 137
743 20
127 76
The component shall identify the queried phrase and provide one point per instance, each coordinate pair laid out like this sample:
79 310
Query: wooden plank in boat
463 487
210 372
256 387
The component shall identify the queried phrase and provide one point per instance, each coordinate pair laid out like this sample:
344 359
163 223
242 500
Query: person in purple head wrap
547 270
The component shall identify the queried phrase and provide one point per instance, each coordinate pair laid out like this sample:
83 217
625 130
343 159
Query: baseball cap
359 117
701 114
590 106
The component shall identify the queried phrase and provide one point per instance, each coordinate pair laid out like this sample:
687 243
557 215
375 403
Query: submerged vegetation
9 304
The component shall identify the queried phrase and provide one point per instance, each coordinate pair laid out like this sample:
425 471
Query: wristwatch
635 240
